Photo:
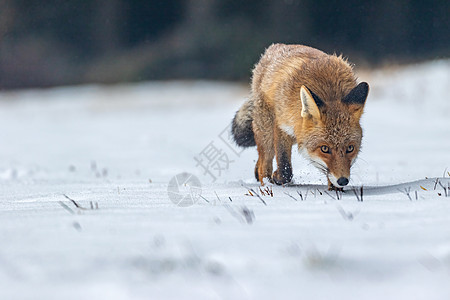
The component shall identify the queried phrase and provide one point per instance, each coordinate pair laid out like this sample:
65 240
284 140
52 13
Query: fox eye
350 148
325 149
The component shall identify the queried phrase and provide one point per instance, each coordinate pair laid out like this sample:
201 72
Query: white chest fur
288 129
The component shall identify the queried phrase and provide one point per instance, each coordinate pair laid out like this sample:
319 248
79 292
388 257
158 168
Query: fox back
302 95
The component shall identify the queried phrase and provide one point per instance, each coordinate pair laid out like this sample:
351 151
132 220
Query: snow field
117 147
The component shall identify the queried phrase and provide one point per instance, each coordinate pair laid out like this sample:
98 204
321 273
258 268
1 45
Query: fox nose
342 181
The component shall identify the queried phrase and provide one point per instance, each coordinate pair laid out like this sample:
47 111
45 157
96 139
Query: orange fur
302 95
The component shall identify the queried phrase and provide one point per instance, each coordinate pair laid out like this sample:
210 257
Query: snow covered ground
114 149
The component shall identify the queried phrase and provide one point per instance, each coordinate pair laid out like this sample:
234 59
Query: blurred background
71 42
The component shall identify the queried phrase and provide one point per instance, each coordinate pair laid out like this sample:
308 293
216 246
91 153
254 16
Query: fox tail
241 126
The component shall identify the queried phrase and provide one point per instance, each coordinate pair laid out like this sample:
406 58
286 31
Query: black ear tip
363 88
358 95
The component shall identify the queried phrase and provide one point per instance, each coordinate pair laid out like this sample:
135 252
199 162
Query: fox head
333 134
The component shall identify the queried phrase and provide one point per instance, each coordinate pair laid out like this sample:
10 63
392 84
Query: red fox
301 95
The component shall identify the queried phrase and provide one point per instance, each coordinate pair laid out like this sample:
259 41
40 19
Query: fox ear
356 99
358 95
310 103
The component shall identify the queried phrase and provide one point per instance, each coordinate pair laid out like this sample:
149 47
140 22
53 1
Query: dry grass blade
220 201
300 195
204 198
406 191
259 197
356 194
444 188
291 196
75 203
362 193
253 193
66 207
331 196
338 194
269 191
435 183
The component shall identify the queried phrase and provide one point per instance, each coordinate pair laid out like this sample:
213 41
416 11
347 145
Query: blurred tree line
53 42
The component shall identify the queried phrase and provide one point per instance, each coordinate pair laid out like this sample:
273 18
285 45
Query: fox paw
279 179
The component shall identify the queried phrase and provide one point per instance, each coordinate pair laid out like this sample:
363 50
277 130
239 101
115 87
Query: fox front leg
283 148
